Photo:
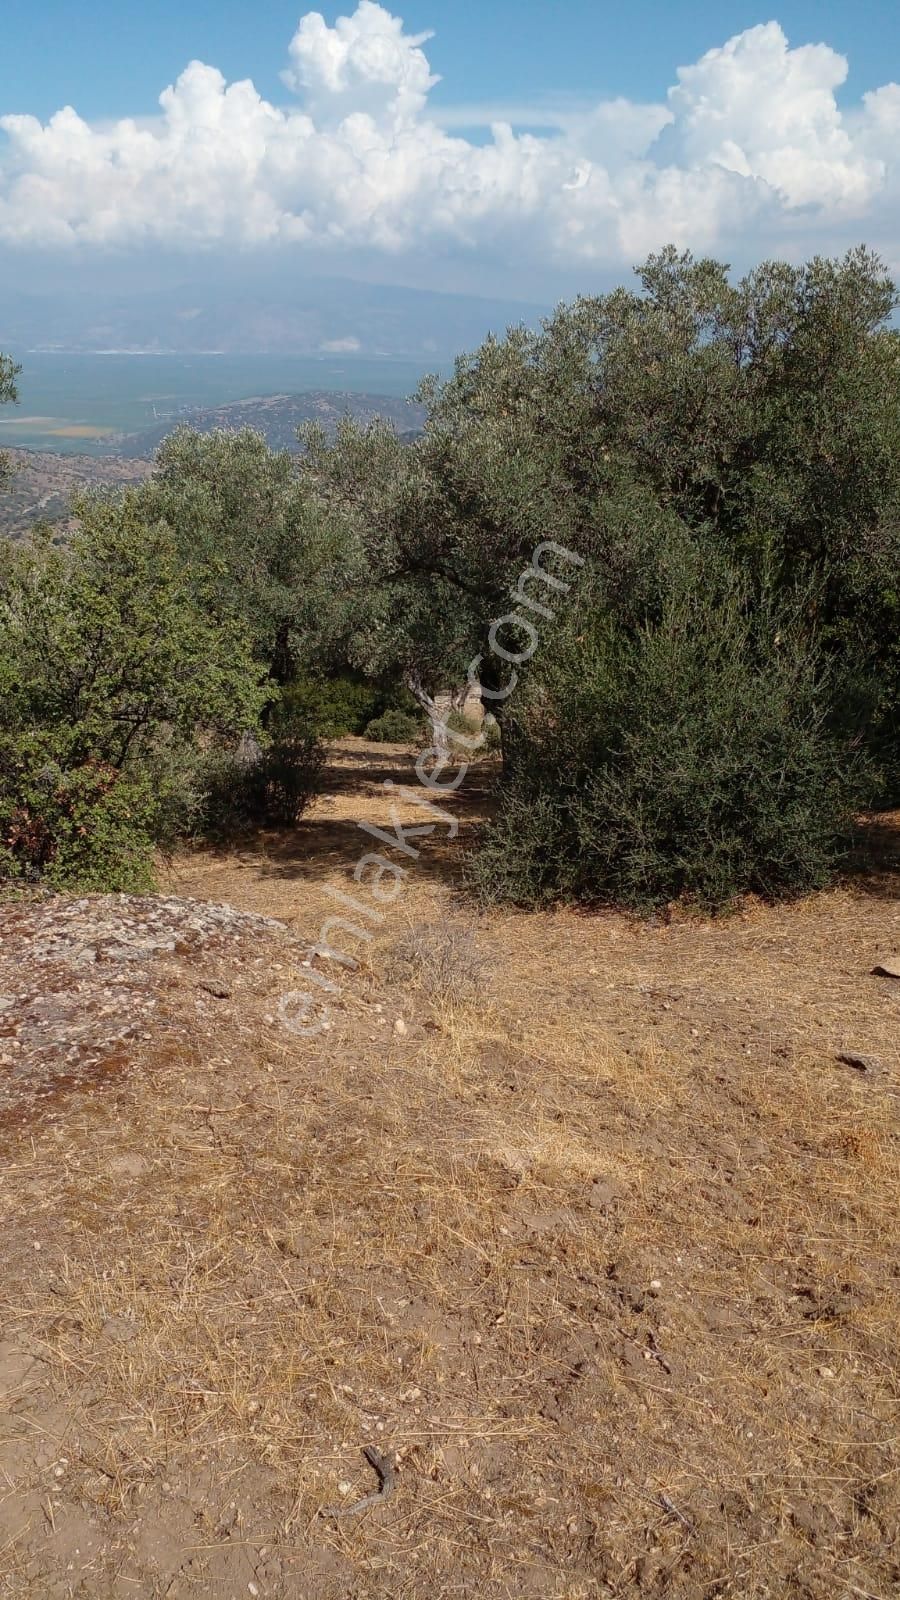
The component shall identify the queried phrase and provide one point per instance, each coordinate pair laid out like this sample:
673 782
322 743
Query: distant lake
79 403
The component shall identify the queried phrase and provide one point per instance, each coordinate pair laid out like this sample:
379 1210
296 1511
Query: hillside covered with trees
662 534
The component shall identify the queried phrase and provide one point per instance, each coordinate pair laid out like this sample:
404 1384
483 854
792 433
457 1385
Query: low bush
394 727
484 731
332 707
264 785
112 677
270 790
691 757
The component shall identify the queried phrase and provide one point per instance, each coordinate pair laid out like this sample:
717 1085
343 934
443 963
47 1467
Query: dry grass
604 1250
440 961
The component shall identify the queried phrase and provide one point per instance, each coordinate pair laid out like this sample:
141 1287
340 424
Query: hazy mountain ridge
278 416
316 317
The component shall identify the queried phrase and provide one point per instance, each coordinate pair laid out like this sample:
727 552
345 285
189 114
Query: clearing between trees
578 1221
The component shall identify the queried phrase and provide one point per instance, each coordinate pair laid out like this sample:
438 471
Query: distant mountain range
316 316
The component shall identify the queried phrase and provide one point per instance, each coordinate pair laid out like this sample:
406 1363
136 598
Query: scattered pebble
85 981
870 1066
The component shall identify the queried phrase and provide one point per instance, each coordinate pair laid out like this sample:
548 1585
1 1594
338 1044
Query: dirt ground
579 1222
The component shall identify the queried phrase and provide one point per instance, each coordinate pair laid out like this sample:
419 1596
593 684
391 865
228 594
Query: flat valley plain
89 403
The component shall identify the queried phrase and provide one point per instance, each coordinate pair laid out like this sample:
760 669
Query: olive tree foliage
756 420
9 372
764 415
402 616
270 555
688 757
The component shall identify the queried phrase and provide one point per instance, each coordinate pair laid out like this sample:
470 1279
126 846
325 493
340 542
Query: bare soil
580 1221
44 483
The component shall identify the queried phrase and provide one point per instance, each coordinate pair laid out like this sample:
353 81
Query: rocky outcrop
86 983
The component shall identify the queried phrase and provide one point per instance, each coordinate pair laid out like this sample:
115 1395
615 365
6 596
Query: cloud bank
749 147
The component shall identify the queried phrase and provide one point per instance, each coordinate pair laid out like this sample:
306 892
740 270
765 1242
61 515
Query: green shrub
88 827
264 785
485 729
689 757
394 727
271 789
468 727
332 707
112 676
286 777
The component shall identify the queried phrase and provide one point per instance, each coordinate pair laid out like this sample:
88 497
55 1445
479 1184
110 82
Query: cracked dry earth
599 1246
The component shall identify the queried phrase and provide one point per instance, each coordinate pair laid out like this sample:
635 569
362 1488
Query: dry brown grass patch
603 1249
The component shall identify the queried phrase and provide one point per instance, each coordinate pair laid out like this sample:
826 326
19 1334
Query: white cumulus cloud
758 108
364 63
749 144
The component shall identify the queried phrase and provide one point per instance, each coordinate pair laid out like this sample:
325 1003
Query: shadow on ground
875 861
330 836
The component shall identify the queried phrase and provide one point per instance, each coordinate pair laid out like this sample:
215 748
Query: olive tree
758 420
239 512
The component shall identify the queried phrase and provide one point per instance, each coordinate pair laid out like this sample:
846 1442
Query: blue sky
110 59
522 148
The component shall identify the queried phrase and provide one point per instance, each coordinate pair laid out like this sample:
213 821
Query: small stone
220 991
400 1026
870 1066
